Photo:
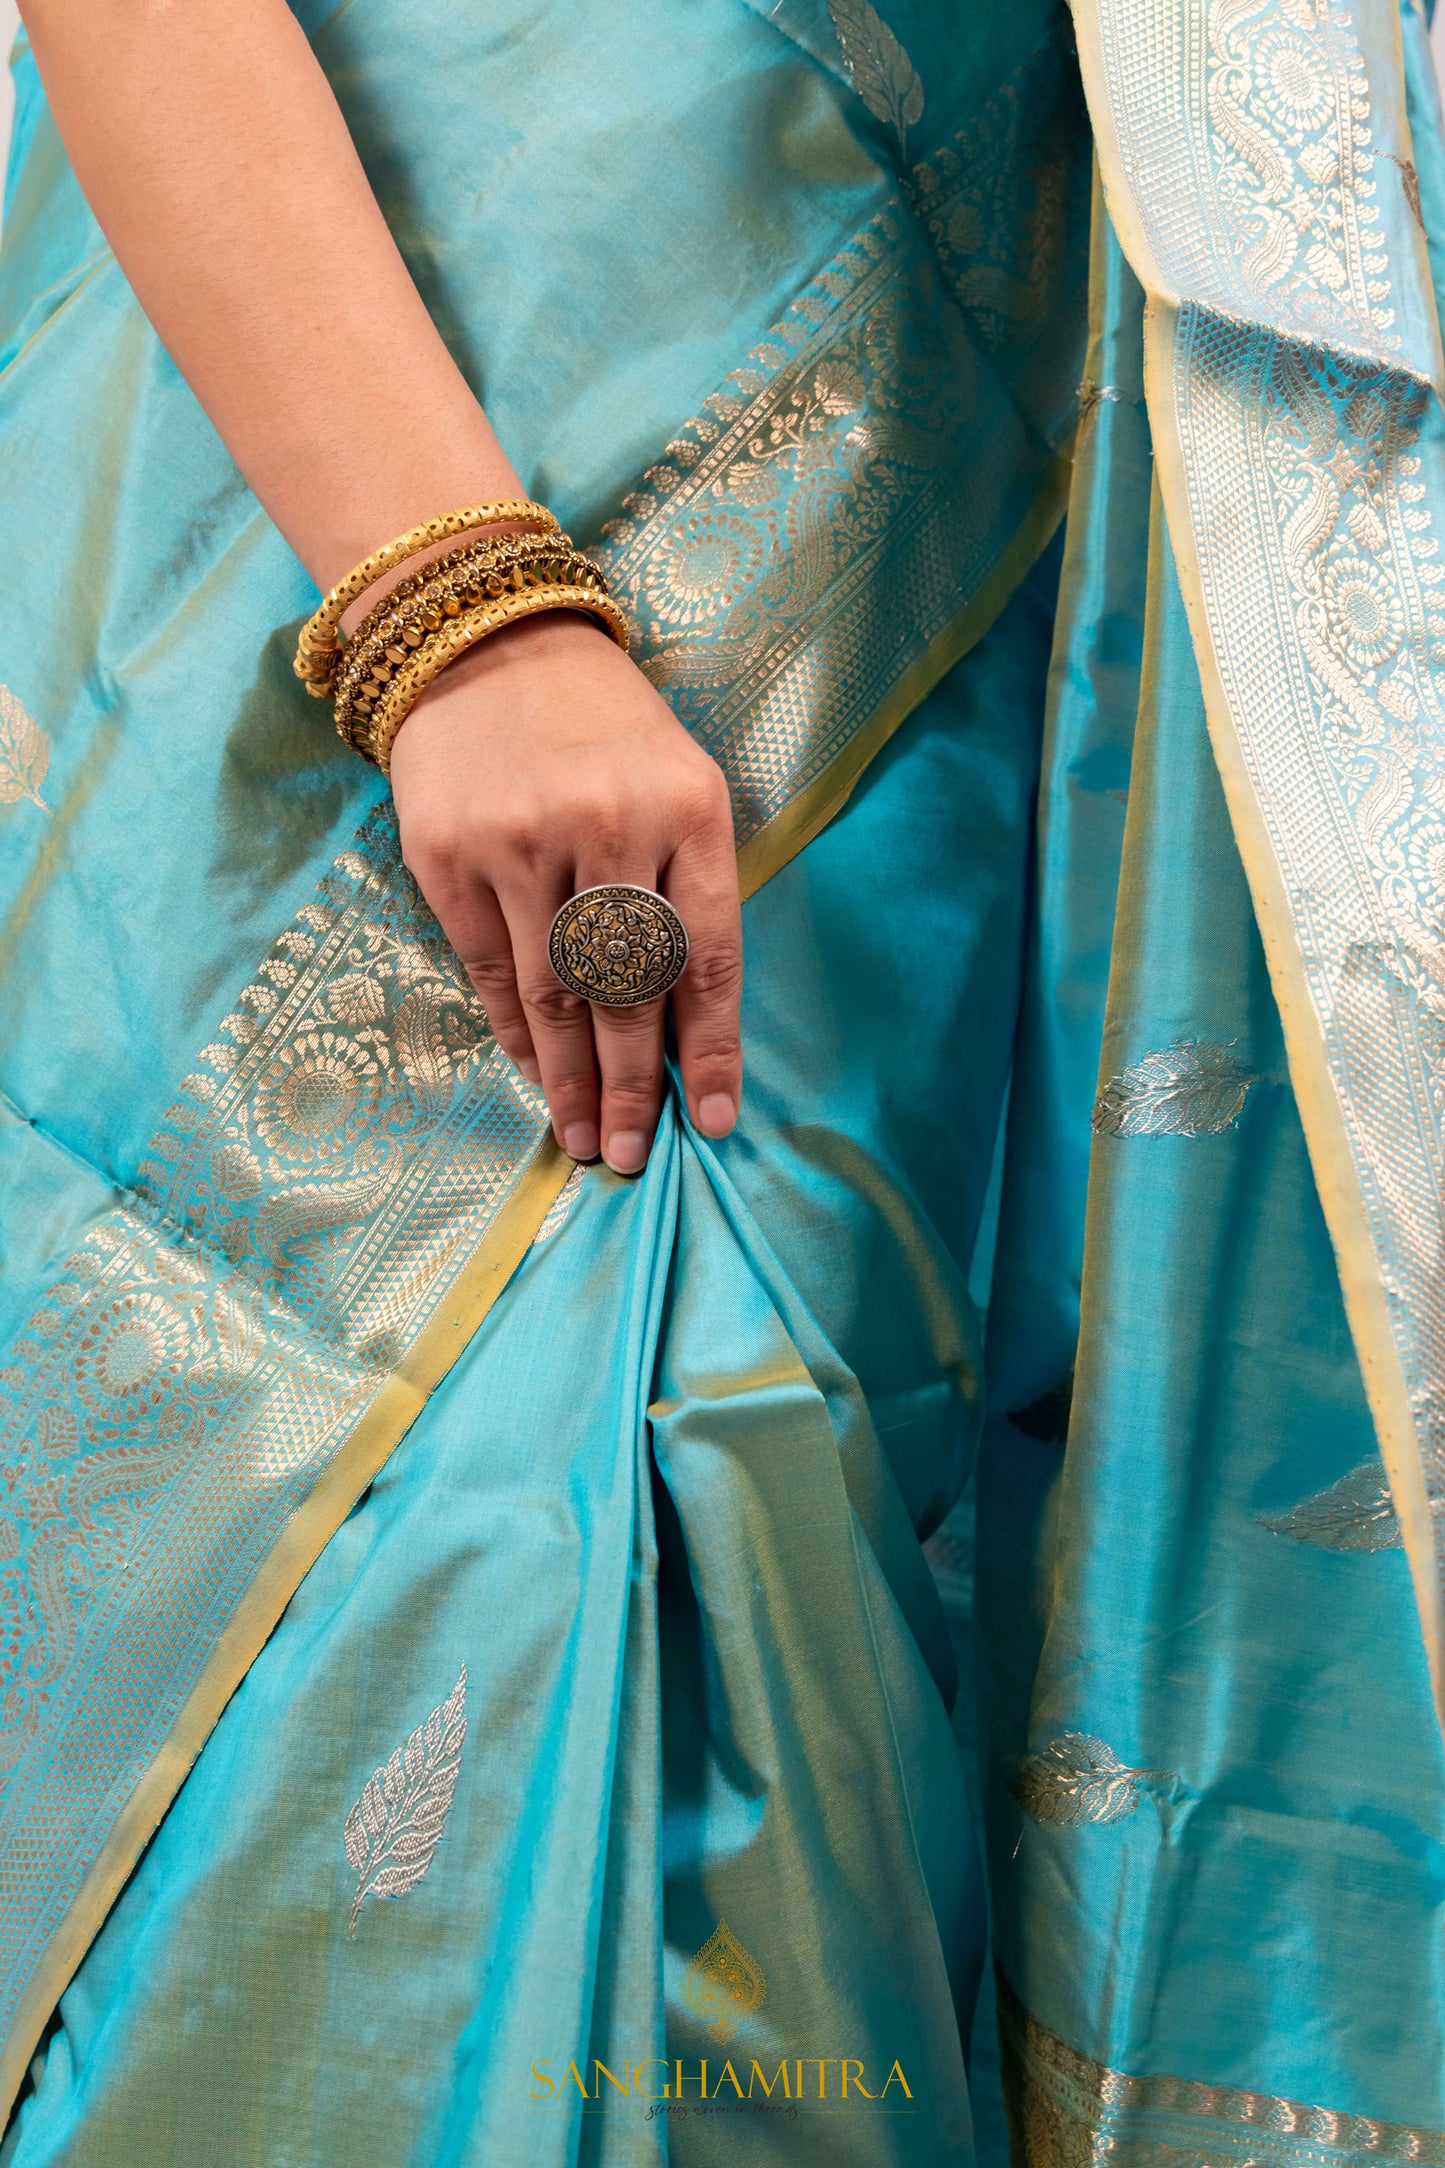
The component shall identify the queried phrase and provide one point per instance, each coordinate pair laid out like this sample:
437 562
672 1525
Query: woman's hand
211 149
542 763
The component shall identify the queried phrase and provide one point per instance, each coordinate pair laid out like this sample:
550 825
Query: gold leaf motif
1356 1513
1192 1088
394 1829
723 1984
1078 1778
357 999
883 75
423 1049
24 753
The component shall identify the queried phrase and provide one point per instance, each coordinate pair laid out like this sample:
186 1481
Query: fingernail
530 1067
581 1140
626 1151
716 1115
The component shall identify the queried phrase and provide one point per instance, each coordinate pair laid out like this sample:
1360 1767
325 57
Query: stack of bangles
614 945
433 615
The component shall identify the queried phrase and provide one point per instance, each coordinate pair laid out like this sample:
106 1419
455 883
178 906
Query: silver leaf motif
1192 1088
1078 1778
883 75
1356 1513
24 753
393 1831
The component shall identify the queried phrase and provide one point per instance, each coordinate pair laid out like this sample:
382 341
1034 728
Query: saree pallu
1210 1488
529 1563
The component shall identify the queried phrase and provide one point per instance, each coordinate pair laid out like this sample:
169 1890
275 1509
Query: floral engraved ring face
618 945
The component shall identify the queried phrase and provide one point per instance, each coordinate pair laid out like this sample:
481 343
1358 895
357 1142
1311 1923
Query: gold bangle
417 607
317 647
463 632
429 602
421 604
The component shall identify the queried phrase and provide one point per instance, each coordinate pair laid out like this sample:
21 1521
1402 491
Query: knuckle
720 1055
703 796
716 971
554 1004
631 1089
430 847
491 975
569 1098
522 834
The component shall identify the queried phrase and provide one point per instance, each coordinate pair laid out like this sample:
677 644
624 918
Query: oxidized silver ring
618 945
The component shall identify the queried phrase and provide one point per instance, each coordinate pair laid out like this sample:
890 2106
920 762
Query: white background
9 23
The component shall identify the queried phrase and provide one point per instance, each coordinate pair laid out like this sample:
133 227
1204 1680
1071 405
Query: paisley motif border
855 504
339 1192
1302 462
1067 2111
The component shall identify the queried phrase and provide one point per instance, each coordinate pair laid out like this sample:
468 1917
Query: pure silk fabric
308 1173
533 1562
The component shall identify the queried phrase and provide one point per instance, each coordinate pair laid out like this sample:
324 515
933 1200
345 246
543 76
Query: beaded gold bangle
419 609
319 643
463 632
419 605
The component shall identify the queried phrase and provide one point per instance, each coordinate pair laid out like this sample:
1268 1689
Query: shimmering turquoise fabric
1208 1584
707 1675
665 1510
779 304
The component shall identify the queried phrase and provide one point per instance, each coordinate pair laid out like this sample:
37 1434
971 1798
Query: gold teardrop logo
723 1984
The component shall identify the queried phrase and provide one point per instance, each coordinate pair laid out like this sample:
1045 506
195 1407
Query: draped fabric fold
1262 177
1213 1771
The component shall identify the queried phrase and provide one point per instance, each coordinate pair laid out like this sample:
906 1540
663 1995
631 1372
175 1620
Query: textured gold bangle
478 572
415 613
428 662
317 647
430 598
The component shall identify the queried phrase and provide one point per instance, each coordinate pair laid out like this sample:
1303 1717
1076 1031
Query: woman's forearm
216 159
212 152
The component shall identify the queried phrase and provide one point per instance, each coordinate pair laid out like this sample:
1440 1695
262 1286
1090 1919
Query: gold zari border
1067 2111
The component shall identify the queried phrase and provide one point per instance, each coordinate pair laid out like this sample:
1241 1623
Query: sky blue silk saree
504 1664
